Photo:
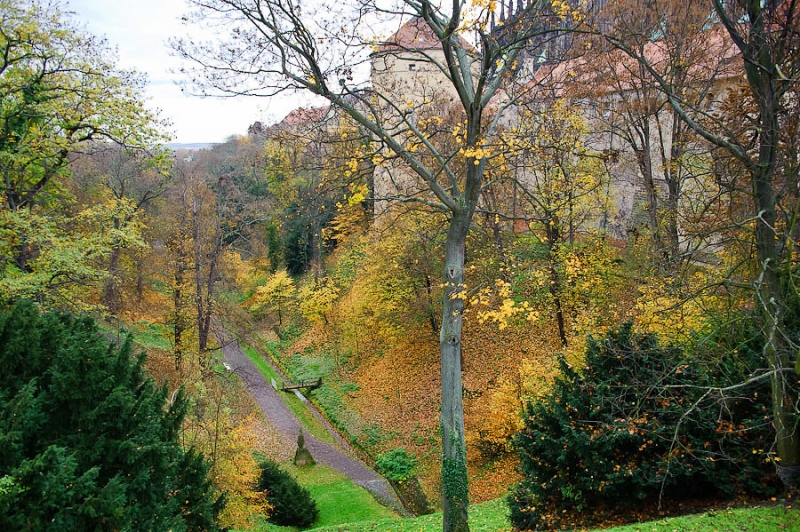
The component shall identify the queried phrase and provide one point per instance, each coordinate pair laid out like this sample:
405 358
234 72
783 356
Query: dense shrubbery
86 442
291 503
639 422
397 465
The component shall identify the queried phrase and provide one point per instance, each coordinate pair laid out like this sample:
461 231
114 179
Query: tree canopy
61 90
60 87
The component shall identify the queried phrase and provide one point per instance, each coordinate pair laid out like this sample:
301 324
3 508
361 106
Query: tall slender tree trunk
111 292
764 78
644 157
455 483
553 239
455 492
180 324
23 252
555 289
140 279
205 288
431 305
672 173
201 303
494 224
771 297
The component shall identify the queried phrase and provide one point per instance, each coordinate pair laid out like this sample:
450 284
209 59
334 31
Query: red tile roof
413 35
304 116
416 34
713 57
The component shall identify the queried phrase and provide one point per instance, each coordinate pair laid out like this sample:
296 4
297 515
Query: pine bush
292 504
87 441
640 422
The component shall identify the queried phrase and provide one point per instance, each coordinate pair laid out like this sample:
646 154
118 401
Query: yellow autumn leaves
497 305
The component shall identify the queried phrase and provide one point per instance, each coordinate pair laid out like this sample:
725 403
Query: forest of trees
551 245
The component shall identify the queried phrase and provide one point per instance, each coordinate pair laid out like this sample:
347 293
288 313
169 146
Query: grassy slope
491 517
339 500
301 412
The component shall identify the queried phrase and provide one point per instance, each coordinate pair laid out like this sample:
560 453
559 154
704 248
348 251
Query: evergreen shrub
87 441
396 465
641 422
292 504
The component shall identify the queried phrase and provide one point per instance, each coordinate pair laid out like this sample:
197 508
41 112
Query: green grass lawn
492 517
759 519
147 335
300 410
339 500
487 517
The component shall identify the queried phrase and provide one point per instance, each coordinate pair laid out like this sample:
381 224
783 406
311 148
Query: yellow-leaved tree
316 299
277 293
561 193
285 44
71 251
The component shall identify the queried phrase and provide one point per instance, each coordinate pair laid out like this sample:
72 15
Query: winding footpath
288 426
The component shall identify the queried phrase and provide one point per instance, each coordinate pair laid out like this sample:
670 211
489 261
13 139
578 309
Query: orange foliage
491 479
399 390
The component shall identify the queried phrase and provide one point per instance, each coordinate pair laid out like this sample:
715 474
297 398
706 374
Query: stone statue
302 456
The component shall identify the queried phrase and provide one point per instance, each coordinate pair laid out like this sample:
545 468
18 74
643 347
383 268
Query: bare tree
277 45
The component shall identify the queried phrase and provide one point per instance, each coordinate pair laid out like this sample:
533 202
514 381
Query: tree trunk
431 305
140 279
204 295
672 173
178 245
493 221
764 80
644 156
454 456
776 351
111 292
22 256
553 239
555 290
179 324
770 292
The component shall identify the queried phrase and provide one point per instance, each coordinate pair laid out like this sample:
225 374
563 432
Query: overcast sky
140 30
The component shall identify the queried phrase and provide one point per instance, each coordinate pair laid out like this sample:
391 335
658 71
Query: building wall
408 76
412 76
410 80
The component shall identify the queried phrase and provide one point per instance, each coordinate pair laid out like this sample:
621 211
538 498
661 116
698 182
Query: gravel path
287 424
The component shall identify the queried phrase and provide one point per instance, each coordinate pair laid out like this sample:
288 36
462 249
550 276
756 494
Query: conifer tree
87 441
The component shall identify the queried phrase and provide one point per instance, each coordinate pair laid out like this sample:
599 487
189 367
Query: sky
139 29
